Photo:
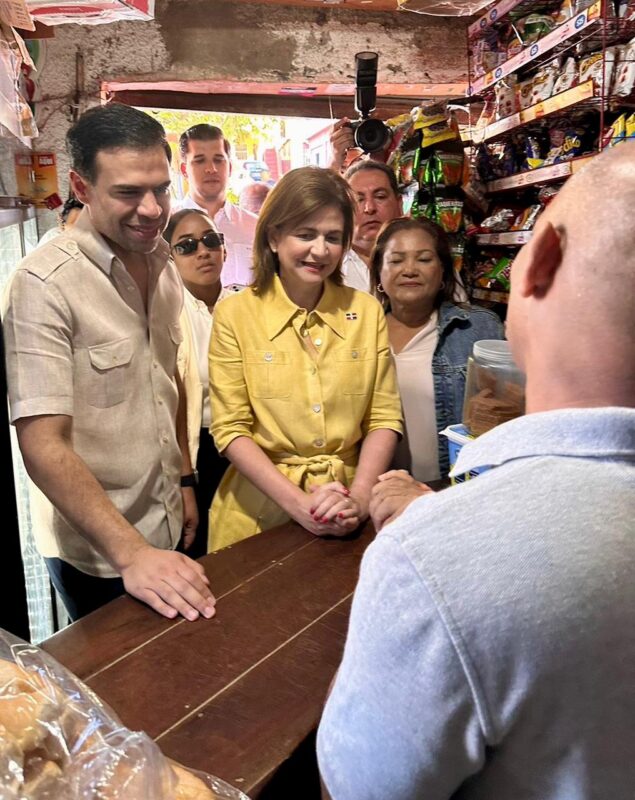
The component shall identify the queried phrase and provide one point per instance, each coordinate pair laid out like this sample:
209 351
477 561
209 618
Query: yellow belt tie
304 471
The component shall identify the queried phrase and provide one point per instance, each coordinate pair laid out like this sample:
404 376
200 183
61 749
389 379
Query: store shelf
559 102
543 175
502 8
491 295
561 34
507 238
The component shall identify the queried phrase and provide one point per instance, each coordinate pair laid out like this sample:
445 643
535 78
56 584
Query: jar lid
496 350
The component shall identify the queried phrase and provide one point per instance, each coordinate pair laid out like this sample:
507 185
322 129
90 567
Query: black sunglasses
211 240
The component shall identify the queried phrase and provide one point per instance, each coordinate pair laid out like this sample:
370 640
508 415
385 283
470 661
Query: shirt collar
575 432
92 244
281 309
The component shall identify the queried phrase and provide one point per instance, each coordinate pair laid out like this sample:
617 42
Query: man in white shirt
377 201
206 163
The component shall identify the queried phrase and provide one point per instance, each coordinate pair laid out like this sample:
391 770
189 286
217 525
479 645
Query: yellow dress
307 387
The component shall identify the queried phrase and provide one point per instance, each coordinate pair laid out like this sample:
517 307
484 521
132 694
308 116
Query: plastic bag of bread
59 741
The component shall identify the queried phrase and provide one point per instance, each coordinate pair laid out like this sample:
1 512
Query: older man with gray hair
491 648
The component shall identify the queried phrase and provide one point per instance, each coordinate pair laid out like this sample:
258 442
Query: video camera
370 135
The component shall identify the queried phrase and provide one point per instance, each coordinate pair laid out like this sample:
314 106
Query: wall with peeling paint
222 40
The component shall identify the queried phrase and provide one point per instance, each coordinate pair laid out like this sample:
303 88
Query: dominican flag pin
351 315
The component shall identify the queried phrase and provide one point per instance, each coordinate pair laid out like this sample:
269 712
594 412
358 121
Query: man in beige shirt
91 328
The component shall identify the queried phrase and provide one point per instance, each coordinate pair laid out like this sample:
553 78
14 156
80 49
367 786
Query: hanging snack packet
544 81
625 74
591 68
568 76
565 12
408 196
449 215
406 167
506 97
451 168
524 90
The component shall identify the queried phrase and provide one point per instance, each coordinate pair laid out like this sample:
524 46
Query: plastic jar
494 387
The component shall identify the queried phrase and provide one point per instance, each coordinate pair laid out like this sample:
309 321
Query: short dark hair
441 245
178 216
107 128
359 166
203 132
297 195
68 206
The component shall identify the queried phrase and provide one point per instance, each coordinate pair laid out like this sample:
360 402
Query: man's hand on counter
170 583
392 494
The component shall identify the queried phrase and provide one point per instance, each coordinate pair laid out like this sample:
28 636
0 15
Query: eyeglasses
211 240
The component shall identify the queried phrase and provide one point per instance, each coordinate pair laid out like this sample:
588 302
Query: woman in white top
199 253
431 337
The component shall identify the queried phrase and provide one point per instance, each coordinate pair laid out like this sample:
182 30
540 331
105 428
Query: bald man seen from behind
491 647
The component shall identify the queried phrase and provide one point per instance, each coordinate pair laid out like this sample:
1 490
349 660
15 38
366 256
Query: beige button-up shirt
79 343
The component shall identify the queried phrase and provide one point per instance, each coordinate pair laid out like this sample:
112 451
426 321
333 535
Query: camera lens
371 135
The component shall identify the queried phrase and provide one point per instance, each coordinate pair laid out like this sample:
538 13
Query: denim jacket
459 327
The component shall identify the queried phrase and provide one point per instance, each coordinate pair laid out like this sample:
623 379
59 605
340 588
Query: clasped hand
392 494
330 510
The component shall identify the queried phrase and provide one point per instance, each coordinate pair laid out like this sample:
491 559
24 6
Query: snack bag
568 76
449 215
501 272
544 82
535 26
500 221
524 89
625 73
591 67
527 218
506 97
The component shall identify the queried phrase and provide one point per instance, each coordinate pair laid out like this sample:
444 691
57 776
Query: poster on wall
36 177
90 12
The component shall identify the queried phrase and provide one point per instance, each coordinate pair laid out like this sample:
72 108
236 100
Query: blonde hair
298 195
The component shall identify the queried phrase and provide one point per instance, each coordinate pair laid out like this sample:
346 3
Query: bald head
571 318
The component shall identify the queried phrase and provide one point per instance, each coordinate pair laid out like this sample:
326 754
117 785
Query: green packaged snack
500 272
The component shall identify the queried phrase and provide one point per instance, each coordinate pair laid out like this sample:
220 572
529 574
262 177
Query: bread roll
190 787
25 707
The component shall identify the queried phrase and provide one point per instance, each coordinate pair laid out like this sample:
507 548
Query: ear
79 186
543 259
273 238
183 170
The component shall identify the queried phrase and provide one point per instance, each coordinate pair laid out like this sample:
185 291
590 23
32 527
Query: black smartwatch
188 480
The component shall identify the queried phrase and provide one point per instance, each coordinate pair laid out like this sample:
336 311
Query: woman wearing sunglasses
303 391
199 253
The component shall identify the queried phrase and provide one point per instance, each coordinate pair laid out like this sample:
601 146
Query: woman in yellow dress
302 386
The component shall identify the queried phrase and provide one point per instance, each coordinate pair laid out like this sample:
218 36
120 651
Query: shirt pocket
268 374
356 370
109 365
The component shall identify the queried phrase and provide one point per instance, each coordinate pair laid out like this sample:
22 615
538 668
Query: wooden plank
157 685
257 723
111 632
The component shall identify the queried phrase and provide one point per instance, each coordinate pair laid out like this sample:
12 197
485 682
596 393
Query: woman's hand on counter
392 494
334 505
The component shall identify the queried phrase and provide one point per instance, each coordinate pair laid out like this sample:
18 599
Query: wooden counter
237 695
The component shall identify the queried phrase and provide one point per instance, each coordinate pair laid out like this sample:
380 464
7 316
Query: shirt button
268 357
155 365
319 443
160 402
318 342
317 408
165 439
131 288
354 353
